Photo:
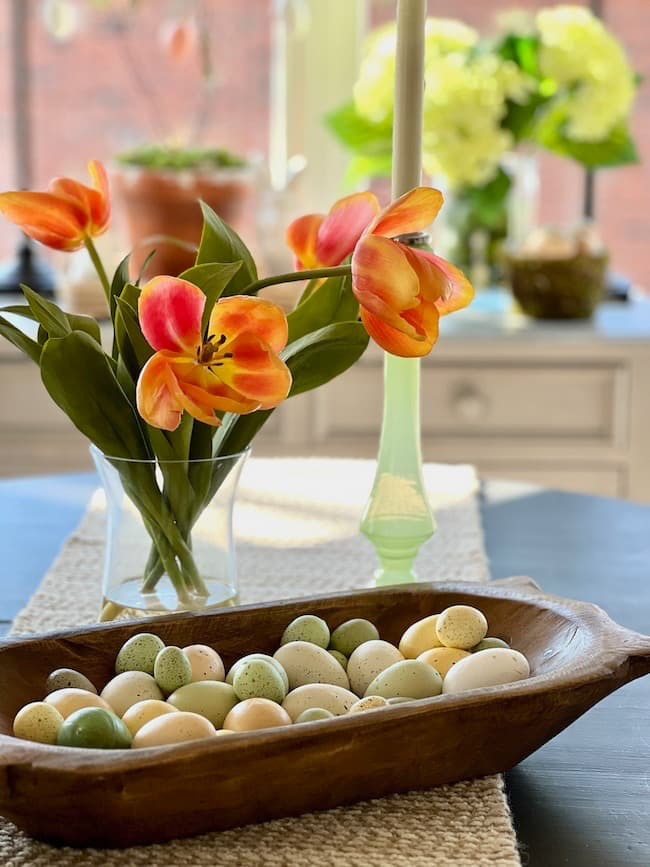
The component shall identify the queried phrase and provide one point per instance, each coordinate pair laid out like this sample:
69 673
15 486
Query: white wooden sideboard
562 404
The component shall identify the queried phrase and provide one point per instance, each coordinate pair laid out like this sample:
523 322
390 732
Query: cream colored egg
335 699
487 668
143 712
420 636
68 700
409 677
370 702
205 661
307 663
38 721
256 713
369 660
212 699
442 658
225 732
233 670
129 688
173 728
461 626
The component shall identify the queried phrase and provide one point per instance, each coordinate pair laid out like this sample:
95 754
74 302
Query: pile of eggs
166 695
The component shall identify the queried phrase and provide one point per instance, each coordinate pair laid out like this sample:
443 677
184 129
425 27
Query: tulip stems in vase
398 517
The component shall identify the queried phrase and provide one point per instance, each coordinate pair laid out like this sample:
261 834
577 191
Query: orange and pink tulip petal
95 202
412 212
170 311
396 340
458 292
244 313
302 236
255 371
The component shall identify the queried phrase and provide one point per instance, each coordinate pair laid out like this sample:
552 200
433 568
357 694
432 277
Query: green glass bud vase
398 518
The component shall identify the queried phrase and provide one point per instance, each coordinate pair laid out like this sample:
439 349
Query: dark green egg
94 728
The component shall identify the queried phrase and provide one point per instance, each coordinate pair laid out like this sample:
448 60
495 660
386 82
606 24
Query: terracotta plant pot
161 204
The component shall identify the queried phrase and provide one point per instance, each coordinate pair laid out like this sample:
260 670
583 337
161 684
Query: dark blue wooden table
584 798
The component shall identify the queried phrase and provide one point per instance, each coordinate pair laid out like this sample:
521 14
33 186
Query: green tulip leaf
119 281
51 317
220 243
330 302
20 340
76 321
322 355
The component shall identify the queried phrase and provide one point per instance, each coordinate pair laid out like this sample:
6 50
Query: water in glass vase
127 599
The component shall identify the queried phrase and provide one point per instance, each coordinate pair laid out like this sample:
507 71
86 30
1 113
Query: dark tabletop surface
584 798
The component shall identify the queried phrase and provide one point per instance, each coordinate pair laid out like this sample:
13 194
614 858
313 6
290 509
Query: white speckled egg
64 678
173 728
205 661
38 721
212 699
349 635
409 677
306 663
420 636
369 660
314 714
172 669
258 678
231 674
461 626
68 700
139 653
487 668
129 688
309 628
442 658
256 713
142 712
370 702
335 699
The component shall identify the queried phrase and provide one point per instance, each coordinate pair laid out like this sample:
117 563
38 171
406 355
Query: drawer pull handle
469 404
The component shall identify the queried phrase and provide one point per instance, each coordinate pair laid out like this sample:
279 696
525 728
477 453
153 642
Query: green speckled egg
258 678
489 644
38 721
370 702
349 635
309 628
139 653
410 677
95 728
281 671
340 658
172 669
313 714
212 699
65 678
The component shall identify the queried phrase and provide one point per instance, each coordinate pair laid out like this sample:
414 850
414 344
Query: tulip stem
99 267
293 276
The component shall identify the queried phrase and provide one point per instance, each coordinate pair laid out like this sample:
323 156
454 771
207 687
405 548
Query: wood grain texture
81 797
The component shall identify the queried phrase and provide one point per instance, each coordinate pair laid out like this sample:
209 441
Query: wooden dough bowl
120 798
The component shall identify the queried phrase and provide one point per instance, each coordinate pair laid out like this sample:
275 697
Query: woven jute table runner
297 526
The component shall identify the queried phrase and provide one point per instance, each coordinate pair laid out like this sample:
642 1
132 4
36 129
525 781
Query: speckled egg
399 699
231 674
205 661
314 714
173 728
258 678
489 644
335 699
68 700
142 712
342 660
349 635
369 660
129 688
64 678
94 728
410 677
442 658
256 713
172 669
38 721
487 668
307 663
139 653
212 699
370 702
309 628
420 636
461 626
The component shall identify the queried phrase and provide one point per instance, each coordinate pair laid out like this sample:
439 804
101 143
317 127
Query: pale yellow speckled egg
129 688
442 658
334 699
370 702
173 728
68 700
461 626
38 721
142 712
256 713
307 663
369 660
205 661
410 677
420 636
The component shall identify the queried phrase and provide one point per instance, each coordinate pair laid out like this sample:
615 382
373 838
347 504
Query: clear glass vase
169 539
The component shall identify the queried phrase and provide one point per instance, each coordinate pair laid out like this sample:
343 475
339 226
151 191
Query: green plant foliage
332 301
220 243
180 159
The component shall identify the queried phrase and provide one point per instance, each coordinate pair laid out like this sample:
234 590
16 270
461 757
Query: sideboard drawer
560 401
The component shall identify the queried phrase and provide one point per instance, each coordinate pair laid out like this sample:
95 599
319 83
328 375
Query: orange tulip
65 216
237 369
